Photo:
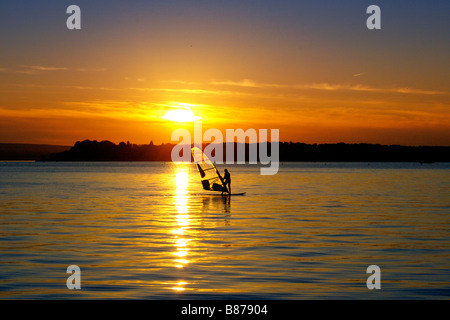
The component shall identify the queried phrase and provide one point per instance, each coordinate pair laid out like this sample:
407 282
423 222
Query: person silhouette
227 181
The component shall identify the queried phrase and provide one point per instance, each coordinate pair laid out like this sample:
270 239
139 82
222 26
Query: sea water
146 230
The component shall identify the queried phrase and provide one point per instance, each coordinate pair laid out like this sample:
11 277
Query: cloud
31 85
91 69
44 68
182 82
246 83
27 69
116 109
365 88
36 69
189 91
408 90
91 88
339 87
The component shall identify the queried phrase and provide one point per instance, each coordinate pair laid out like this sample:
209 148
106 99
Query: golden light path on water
182 222
148 231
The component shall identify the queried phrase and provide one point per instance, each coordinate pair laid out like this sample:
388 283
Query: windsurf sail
209 175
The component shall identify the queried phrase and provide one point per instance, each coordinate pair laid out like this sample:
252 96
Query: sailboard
209 175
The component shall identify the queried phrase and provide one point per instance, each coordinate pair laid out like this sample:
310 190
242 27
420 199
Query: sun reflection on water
182 223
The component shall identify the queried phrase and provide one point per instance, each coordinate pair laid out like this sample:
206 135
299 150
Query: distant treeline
23 151
341 152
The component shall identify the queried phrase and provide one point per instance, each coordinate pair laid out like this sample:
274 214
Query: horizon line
203 143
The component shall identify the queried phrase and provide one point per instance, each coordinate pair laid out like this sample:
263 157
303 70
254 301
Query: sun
180 115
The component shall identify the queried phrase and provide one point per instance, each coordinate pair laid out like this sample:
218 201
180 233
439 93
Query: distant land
23 151
88 150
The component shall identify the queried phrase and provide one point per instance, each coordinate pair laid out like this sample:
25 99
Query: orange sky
315 79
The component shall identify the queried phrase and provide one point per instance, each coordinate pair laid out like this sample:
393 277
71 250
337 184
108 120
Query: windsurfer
227 182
